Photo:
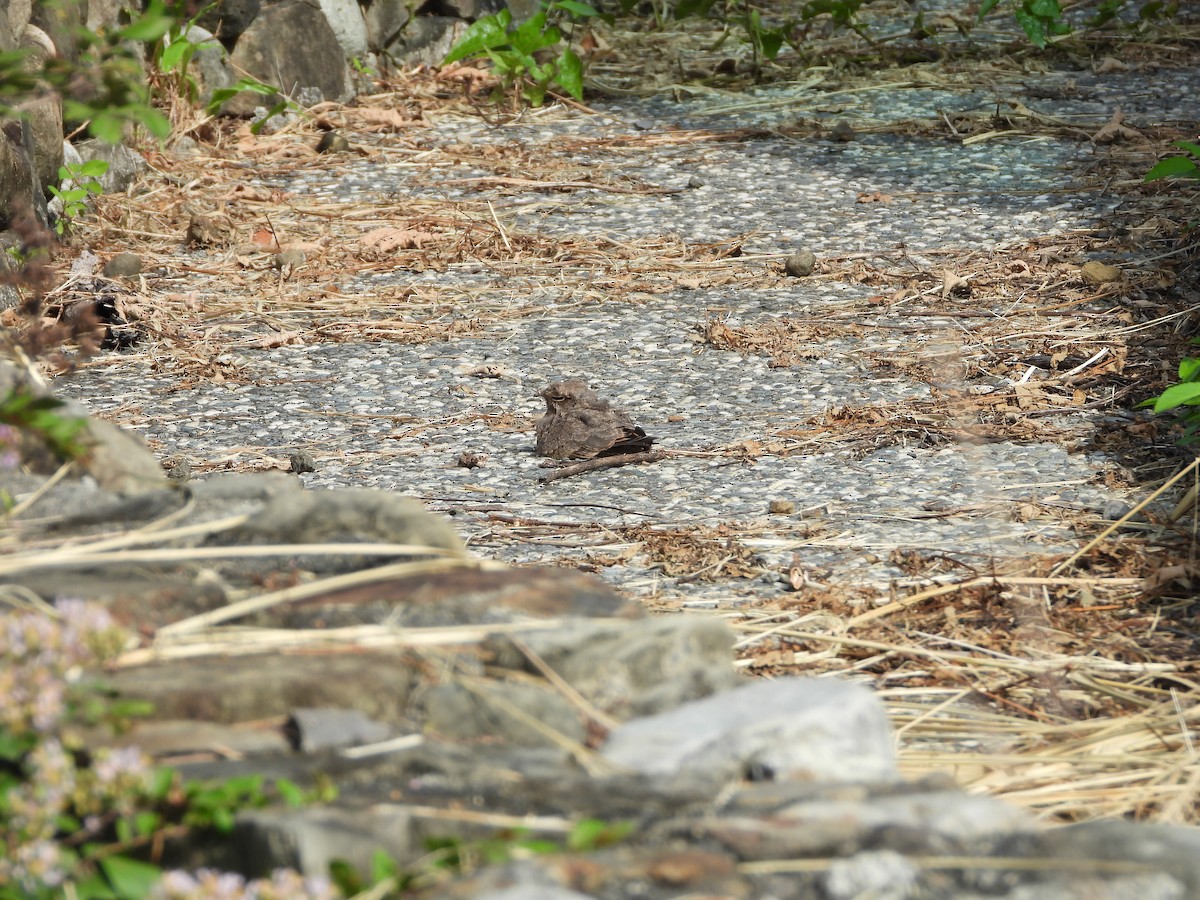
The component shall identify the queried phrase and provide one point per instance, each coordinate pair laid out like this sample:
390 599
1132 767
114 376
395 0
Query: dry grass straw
1071 735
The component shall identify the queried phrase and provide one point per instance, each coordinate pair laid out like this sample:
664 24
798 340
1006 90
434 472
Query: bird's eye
556 398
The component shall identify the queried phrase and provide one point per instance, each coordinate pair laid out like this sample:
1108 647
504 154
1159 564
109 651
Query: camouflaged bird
579 425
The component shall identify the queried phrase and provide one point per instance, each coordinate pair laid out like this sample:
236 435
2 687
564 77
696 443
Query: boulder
290 45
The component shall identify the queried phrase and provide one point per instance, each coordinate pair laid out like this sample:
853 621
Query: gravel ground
398 417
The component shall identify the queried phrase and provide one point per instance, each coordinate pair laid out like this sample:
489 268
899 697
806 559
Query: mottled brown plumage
579 425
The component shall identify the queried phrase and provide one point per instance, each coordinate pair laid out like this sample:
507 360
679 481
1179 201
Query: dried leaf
379 120
389 238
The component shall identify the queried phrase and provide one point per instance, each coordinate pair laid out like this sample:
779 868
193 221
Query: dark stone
291 46
227 19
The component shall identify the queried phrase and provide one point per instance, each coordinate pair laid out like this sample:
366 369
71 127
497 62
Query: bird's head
562 393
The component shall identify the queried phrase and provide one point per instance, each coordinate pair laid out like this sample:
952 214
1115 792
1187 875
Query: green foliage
455 856
843 13
43 417
174 53
1041 20
1185 393
220 96
77 183
518 54
1178 166
594 834
108 76
73 819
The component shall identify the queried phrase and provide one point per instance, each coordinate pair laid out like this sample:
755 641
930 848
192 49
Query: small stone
842 131
1098 273
1116 509
290 259
695 182
800 264
123 265
781 507
333 142
301 461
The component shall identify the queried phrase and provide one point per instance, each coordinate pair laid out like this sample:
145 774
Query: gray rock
104 14
229 18
119 461
1103 887
314 729
19 187
209 64
8 38
310 839
246 688
343 516
451 711
426 40
45 118
244 489
636 668
385 19
8 293
792 728
534 892
290 45
471 9
1166 848
124 165
62 21
123 265
881 875
345 17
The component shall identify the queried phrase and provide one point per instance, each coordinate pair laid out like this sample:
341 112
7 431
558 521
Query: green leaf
534 35
1191 148
1172 167
1150 10
1189 367
93 168
151 119
585 834
1044 9
147 822
686 8
176 55
94 887
128 877
107 127
275 110
987 7
161 782
576 8
535 94
383 866
1178 395
570 73
342 874
1034 29
770 40
222 820
484 34
290 792
150 26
